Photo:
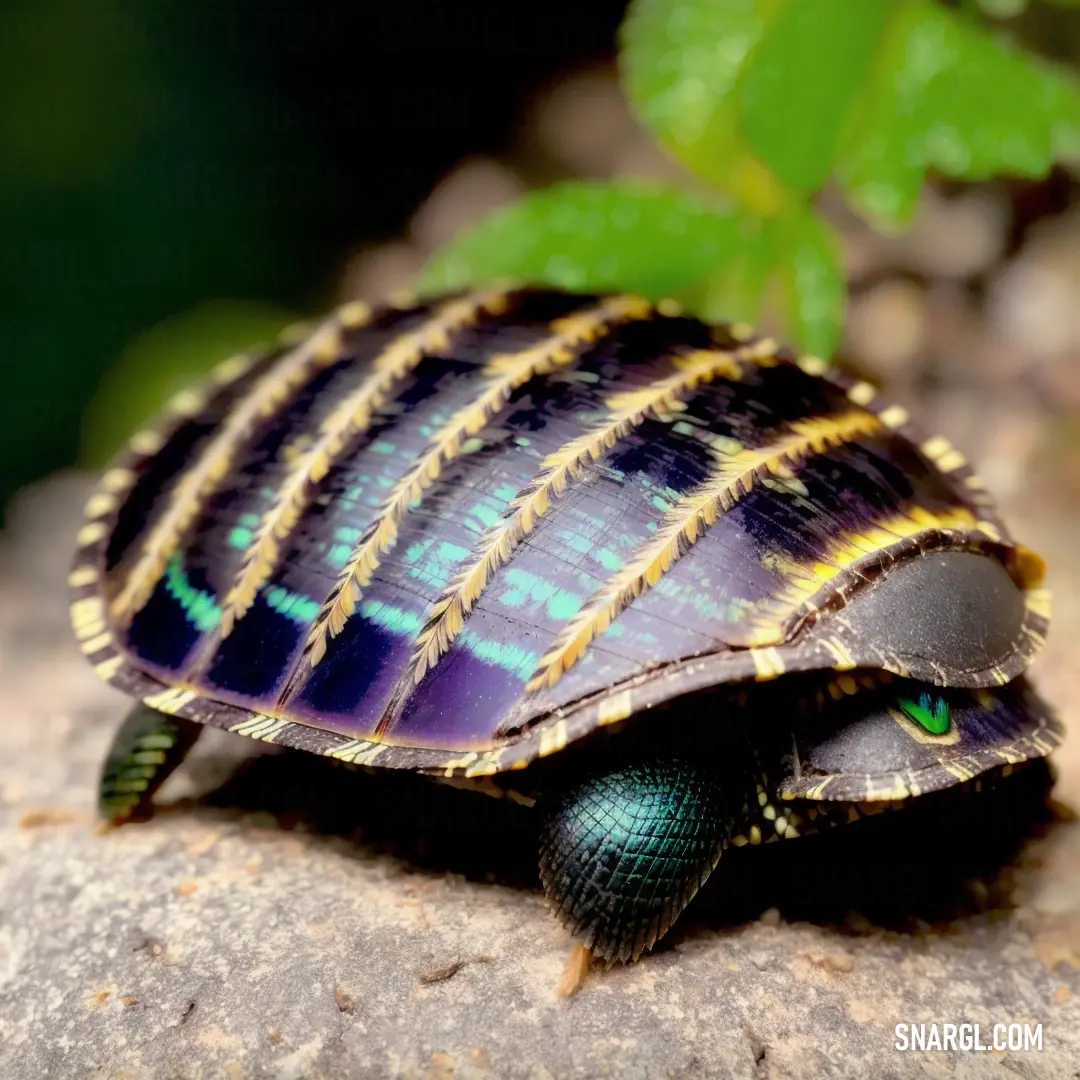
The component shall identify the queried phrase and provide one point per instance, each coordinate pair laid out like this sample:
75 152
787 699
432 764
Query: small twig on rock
577 967
441 974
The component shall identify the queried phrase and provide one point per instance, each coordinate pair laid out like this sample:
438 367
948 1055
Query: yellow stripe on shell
172 700
505 374
358 752
263 728
841 654
553 738
684 524
146 442
117 481
615 707
627 411
862 393
96 644
768 664
84 575
88 617
766 623
272 390
107 670
812 365
350 418
91 533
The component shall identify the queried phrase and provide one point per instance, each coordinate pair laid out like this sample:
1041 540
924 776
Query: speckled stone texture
281 918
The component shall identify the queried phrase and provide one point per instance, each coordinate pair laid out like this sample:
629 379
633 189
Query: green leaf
816 286
946 94
736 291
680 62
600 237
793 259
1004 9
591 236
797 93
764 98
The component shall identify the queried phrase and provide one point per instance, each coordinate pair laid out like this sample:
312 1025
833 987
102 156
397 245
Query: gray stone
283 919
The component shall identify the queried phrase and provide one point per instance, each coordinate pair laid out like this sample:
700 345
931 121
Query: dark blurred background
162 154
179 179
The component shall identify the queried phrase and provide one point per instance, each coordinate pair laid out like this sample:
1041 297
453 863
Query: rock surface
283 919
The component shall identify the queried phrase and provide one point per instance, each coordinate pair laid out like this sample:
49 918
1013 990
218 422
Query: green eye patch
930 712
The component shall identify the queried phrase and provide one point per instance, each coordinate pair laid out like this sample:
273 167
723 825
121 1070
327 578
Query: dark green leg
624 851
146 749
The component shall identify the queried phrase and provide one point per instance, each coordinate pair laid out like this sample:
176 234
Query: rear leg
144 752
624 850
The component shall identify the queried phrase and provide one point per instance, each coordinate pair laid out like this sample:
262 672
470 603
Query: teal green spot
485 514
660 503
394 619
434 566
250 520
414 551
427 430
381 446
931 712
451 553
512 658
520 440
300 609
616 629
681 427
200 607
268 493
561 604
564 605
607 559
338 555
737 608
385 482
683 594
347 535
505 492
239 538
578 543
526 586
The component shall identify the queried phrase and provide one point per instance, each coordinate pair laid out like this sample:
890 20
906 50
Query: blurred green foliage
130 152
160 154
165 359
764 101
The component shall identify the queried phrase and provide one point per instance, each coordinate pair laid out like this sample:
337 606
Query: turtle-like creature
681 587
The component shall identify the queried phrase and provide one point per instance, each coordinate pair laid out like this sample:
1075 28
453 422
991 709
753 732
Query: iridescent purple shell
460 535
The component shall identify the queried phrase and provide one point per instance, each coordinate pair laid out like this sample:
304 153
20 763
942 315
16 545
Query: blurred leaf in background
130 156
585 235
164 359
160 155
763 101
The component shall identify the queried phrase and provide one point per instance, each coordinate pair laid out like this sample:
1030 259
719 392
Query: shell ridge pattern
486 611
685 523
273 390
773 622
627 411
348 420
572 335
